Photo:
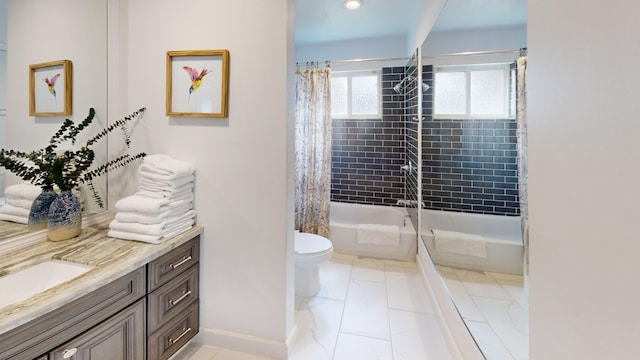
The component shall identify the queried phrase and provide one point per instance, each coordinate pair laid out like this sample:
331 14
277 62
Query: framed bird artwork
198 83
50 88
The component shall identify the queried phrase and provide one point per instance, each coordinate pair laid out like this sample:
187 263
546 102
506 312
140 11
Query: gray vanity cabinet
149 313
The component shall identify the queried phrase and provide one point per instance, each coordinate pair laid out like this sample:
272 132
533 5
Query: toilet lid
311 243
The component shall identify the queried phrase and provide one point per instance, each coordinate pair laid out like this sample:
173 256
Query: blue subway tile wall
468 165
367 153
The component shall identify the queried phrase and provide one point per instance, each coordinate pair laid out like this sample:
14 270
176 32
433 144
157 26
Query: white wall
448 42
583 179
374 48
244 163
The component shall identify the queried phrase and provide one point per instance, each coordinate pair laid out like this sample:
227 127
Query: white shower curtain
523 171
313 150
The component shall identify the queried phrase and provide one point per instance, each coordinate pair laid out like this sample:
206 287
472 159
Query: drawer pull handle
184 260
176 301
68 353
180 337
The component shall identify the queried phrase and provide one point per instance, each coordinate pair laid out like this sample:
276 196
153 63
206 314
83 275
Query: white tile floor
379 309
366 309
495 310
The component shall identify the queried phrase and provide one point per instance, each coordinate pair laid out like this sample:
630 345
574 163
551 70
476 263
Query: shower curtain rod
522 51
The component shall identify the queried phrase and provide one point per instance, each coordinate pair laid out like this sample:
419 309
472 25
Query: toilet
311 250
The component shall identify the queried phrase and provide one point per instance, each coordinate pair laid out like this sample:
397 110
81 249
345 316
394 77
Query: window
355 94
480 91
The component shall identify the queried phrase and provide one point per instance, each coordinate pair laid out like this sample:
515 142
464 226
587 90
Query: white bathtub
501 235
343 231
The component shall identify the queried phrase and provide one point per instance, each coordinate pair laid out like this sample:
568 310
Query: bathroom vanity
137 301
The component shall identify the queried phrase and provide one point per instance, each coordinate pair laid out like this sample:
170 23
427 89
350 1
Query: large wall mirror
471 224
41 31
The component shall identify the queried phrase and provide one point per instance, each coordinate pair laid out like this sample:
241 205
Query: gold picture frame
198 83
50 90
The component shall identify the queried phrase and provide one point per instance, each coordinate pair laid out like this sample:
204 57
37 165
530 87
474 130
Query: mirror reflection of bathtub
499 241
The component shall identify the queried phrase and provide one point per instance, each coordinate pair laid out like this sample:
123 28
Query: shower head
399 88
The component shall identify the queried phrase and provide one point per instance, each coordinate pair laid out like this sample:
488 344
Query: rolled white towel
164 194
158 184
21 203
152 218
143 204
14 218
153 239
160 166
14 210
22 191
153 229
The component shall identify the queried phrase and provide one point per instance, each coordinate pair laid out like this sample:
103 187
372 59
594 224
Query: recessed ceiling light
352 4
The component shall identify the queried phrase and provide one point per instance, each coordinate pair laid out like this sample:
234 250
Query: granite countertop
112 258
10 229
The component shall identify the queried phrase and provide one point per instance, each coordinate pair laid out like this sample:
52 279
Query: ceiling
323 21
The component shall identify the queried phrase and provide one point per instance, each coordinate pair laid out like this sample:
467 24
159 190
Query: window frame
350 74
467 70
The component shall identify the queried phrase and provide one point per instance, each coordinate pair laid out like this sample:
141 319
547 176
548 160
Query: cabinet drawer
174 334
173 297
171 264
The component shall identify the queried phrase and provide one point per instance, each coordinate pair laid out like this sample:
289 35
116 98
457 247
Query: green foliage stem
47 166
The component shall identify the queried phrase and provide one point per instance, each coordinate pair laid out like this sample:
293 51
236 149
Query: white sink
25 283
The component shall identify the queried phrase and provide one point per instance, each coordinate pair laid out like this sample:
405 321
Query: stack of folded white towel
18 200
163 205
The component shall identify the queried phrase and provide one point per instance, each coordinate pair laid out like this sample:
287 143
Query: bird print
51 84
196 78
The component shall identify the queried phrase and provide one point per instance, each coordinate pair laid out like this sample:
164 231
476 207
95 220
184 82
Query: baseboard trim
246 343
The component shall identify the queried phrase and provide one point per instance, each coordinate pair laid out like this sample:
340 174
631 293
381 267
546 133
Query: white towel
22 191
14 218
376 234
152 218
14 210
151 184
21 203
171 194
143 204
163 167
460 243
154 239
153 229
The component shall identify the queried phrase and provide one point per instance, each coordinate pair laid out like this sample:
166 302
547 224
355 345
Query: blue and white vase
39 213
65 217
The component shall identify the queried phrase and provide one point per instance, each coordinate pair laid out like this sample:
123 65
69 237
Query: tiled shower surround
367 153
468 165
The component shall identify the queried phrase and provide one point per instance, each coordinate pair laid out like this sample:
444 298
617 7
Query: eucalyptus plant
67 169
